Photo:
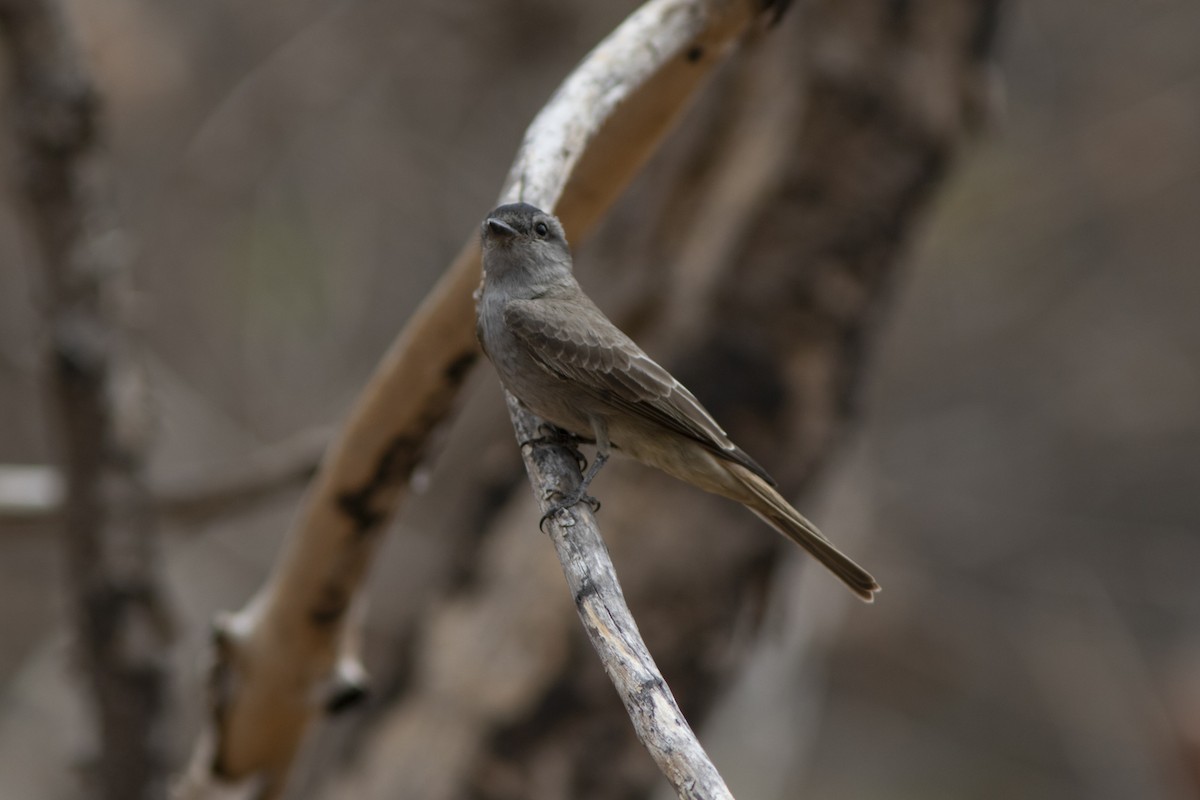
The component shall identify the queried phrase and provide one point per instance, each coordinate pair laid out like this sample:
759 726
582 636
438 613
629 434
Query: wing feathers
573 340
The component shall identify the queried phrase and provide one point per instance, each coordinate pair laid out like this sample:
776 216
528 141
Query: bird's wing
576 342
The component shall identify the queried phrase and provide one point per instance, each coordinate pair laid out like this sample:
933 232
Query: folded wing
576 342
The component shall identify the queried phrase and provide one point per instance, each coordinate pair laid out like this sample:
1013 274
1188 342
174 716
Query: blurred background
1021 469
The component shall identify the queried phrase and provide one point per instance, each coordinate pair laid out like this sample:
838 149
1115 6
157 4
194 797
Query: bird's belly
551 403
674 454
547 396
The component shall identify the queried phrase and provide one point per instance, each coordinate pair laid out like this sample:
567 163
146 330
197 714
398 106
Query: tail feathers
780 515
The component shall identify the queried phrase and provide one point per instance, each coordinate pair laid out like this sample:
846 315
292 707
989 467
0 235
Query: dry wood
657 720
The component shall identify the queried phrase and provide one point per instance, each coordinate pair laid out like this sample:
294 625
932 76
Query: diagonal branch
286 645
656 717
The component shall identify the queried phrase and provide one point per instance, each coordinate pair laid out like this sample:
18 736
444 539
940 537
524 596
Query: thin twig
189 495
204 491
30 491
656 717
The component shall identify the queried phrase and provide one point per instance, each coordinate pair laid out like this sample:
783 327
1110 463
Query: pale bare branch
190 495
30 491
657 720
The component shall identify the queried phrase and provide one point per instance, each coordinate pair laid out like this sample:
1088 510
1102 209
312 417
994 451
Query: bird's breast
546 395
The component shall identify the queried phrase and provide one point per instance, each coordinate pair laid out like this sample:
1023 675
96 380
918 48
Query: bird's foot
552 434
573 499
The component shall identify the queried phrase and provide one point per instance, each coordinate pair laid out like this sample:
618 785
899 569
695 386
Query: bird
564 360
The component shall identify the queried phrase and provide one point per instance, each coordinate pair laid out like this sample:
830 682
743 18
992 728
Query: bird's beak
498 227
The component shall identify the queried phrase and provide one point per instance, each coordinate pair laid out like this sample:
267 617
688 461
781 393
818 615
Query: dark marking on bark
459 367
357 505
588 589
345 697
220 684
646 691
694 53
395 463
331 605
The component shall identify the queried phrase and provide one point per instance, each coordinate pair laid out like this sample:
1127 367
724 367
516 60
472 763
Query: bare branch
108 522
189 495
30 491
208 490
609 624
605 120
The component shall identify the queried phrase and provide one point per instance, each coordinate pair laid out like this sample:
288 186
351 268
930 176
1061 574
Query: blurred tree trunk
108 524
755 260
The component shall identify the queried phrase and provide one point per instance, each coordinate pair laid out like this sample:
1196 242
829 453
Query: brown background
1025 482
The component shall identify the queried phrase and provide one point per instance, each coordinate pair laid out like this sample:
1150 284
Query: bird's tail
779 514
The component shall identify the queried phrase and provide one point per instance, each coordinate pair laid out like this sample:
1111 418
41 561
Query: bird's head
522 237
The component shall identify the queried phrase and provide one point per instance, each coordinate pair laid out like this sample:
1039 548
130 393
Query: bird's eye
541 229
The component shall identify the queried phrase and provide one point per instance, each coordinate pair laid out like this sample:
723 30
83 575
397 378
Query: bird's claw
552 434
575 498
547 434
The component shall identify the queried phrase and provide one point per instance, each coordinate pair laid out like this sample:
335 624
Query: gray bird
558 354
